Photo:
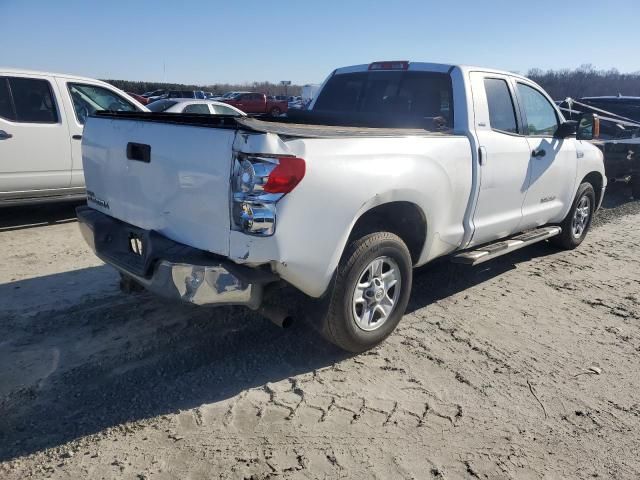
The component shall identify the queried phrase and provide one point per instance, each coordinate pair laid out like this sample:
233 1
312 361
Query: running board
502 247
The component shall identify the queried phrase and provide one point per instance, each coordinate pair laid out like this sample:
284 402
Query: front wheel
577 222
275 111
370 293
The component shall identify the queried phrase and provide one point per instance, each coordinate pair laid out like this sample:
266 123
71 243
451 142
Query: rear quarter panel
345 178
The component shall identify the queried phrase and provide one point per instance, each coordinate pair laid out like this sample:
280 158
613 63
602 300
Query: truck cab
42 116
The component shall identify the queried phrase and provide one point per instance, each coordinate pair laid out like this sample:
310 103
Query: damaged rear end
165 193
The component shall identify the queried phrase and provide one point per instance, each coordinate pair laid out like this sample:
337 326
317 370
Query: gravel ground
525 367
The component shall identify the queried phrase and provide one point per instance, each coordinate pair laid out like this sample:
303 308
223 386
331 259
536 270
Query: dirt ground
525 367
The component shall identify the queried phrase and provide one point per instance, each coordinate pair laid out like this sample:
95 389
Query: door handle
482 155
4 135
540 152
77 137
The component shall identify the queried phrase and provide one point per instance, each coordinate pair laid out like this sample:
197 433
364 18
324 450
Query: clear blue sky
206 42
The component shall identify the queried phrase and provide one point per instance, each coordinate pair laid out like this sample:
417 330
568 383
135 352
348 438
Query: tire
575 225
375 260
275 111
635 186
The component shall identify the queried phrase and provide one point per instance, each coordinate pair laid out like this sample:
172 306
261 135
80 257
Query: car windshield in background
88 99
161 105
401 99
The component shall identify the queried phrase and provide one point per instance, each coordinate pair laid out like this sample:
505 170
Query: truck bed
281 126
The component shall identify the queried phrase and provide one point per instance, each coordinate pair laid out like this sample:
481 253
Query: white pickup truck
41 120
394 165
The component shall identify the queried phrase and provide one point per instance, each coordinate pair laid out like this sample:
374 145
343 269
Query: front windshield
161 105
87 99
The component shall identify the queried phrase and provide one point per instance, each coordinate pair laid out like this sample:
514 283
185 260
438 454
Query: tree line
262 87
585 81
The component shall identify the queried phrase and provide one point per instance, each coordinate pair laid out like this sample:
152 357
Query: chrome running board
502 247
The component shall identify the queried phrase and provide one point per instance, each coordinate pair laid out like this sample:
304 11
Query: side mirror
567 129
588 127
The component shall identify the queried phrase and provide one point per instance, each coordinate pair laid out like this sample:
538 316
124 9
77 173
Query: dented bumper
168 268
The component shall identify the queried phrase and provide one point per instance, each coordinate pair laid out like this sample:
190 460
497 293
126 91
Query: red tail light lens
286 175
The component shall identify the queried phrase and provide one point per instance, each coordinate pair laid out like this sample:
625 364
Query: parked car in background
183 105
139 98
155 94
42 116
257 103
395 165
295 103
619 134
185 94
229 95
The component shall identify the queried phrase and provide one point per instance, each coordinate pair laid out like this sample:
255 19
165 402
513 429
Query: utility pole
285 83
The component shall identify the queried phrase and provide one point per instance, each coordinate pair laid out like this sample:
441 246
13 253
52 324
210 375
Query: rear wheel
275 111
370 293
577 222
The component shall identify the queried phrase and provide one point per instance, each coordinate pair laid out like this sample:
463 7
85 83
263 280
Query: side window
6 104
33 100
502 114
255 97
196 108
87 99
541 116
221 110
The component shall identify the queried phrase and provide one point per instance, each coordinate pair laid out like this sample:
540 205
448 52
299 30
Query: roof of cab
22 71
431 67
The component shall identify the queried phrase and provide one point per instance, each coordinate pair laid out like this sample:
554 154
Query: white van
41 120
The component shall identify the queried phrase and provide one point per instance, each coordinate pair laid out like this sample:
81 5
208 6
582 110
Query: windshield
87 99
161 105
389 99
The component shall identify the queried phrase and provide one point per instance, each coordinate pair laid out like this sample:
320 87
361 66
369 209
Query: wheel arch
597 182
402 218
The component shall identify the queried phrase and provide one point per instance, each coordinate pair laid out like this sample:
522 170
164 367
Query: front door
553 166
504 158
35 154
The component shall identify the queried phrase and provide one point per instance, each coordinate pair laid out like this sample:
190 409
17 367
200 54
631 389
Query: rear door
504 155
35 152
553 166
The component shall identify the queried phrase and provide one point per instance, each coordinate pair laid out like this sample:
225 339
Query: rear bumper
170 269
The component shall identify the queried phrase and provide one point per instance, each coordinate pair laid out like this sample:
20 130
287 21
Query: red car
257 103
140 98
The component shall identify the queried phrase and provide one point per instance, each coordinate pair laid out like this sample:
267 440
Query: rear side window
32 100
502 114
6 104
403 97
222 110
197 108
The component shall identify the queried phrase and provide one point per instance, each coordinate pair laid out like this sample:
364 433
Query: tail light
259 181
